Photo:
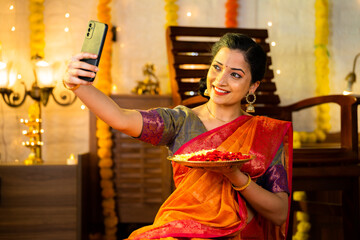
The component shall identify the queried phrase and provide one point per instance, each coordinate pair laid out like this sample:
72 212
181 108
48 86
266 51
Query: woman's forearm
273 206
124 120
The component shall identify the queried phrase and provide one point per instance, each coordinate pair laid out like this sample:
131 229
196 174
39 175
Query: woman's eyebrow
236 69
219 62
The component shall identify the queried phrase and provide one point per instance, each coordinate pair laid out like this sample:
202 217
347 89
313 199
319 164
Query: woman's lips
220 91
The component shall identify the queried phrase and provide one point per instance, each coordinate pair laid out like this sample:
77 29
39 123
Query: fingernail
96 69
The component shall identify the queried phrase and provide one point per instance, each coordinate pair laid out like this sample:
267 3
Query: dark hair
253 53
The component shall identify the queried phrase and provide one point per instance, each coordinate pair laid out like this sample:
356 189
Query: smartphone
94 43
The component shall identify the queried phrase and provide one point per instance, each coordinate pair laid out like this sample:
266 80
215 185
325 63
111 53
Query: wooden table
40 202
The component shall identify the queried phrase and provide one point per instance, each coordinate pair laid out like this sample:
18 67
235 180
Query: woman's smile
219 91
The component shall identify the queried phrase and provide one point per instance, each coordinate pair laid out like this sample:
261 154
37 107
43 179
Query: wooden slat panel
190 73
266 87
186 59
216 32
269 74
268 61
189 46
187 86
202 47
201 59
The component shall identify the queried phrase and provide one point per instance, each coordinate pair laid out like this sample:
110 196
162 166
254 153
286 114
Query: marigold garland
322 66
103 132
37 46
37 29
323 125
303 224
171 9
323 116
231 13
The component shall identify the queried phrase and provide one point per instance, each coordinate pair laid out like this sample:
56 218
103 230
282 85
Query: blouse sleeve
275 177
171 127
161 125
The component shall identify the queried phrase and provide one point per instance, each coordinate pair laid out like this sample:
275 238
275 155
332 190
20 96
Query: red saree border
176 229
215 130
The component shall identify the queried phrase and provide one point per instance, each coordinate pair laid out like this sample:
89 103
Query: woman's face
229 77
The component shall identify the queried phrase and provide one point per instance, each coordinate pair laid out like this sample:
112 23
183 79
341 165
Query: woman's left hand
225 170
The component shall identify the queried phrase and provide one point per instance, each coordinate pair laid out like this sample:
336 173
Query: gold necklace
207 106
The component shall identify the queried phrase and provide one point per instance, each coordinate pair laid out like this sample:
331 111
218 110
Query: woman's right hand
77 68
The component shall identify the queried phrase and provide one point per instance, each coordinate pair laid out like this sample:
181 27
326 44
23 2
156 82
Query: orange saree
204 205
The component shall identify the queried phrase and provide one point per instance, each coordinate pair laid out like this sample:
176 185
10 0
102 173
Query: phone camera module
90 30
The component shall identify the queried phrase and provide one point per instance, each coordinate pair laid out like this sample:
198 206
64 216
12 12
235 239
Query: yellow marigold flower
106 173
320 134
105 183
111 221
108 203
103 133
301 236
108 193
105 143
299 195
109 212
104 153
302 216
105 162
312 137
101 124
303 226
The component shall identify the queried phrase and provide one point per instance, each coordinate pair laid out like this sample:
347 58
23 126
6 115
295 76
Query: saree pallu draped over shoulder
204 205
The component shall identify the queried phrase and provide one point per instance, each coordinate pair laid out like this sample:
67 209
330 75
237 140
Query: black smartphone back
94 43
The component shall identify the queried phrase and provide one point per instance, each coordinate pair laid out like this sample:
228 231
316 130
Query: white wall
141 39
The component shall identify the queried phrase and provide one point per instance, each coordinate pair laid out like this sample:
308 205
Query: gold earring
206 93
250 107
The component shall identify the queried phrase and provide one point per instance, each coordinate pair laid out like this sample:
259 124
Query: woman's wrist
71 86
242 187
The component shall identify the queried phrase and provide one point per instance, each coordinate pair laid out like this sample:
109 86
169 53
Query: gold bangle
71 88
242 188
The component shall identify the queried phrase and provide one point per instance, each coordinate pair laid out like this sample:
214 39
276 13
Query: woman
238 202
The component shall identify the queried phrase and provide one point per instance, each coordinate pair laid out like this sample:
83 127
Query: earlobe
254 86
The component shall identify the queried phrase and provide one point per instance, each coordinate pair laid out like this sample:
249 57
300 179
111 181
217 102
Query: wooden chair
317 168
